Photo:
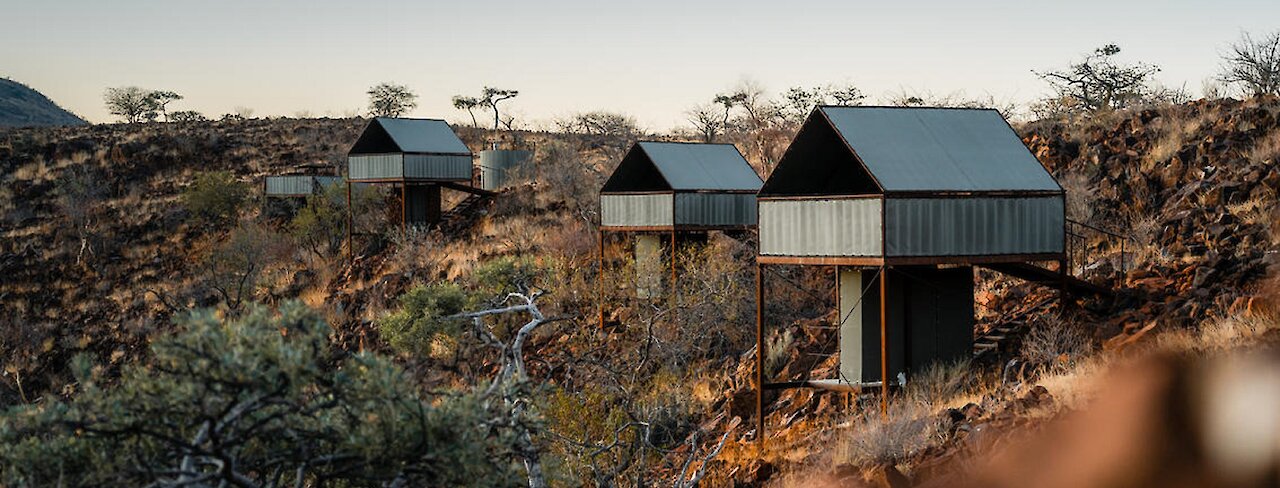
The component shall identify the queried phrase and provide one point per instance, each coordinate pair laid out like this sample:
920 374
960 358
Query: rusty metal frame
876 261
675 228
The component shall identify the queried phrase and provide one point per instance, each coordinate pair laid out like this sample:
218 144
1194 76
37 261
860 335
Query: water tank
499 166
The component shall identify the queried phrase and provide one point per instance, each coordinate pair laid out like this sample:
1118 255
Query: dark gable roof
939 149
390 135
656 166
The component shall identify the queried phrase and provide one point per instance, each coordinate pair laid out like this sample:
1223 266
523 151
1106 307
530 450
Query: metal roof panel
940 149
423 136
691 166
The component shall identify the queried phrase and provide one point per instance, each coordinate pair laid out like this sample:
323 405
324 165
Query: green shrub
420 318
508 274
215 197
255 401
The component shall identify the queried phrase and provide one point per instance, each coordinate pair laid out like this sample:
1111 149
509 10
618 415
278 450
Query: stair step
996 337
982 346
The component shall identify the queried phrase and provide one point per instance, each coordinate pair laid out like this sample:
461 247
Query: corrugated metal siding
289 185
635 210
497 165
973 226
375 166
849 227
716 209
437 167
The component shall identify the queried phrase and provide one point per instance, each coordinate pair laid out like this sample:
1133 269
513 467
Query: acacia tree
470 104
1253 65
130 103
391 100
490 97
161 100
1100 82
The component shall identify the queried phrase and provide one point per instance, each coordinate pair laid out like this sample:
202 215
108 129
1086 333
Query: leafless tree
233 268
510 383
1099 82
1253 65
705 120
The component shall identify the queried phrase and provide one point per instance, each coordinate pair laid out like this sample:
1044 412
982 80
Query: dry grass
940 385
1081 196
1175 133
1266 148
878 439
1256 210
1075 386
1055 344
1145 228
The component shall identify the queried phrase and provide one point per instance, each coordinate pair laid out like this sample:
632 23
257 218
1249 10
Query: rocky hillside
22 106
98 252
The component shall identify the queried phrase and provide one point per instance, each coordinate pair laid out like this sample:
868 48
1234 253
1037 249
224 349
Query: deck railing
1079 236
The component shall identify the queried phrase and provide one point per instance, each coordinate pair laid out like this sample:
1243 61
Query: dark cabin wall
636 173
374 140
930 319
818 162
424 204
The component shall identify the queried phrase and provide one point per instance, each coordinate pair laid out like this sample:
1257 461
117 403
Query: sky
651 60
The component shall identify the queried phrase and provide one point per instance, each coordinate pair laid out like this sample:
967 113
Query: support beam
1064 297
673 263
404 208
351 243
600 279
884 342
759 355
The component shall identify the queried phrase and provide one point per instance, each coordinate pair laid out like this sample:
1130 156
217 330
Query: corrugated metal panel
635 210
939 149
375 166
437 167
423 136
497 165
849 227
973 226
289 185
716 209
688 166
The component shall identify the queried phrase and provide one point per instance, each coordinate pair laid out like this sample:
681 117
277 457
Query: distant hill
21 106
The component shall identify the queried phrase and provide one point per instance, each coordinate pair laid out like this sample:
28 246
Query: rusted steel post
759 354
673 262
351 243
1064 297
600 279
884 342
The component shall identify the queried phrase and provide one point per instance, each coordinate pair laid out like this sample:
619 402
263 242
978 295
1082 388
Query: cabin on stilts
666 193
903 203
418 157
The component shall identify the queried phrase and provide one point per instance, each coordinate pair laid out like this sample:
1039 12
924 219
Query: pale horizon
653 62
